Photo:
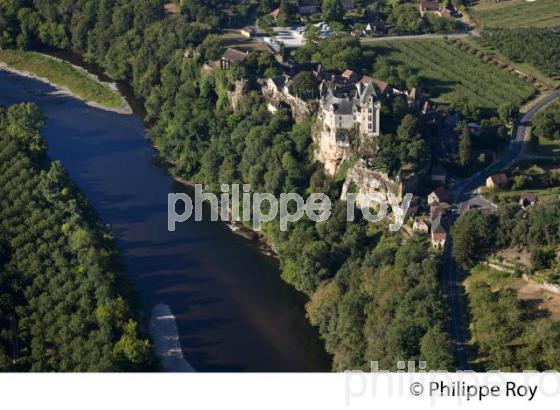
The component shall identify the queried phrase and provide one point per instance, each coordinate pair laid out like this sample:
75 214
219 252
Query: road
465 191
419 37
466 196
292 39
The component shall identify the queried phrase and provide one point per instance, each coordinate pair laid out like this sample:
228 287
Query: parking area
289 36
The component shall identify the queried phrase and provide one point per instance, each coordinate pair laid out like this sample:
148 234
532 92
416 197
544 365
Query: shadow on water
232 310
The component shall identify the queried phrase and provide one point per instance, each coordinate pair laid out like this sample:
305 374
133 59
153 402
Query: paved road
465 191
455 298
465 197
293 40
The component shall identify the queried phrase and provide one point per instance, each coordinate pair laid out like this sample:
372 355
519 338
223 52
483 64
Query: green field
450 73
518 13
64 75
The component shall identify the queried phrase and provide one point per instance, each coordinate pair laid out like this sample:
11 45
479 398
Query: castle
353 106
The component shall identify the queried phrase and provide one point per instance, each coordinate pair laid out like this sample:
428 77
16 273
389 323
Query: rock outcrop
369 181
328 150
235 94
277 94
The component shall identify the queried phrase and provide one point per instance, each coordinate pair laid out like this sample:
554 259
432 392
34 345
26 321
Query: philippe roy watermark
413 380
237 203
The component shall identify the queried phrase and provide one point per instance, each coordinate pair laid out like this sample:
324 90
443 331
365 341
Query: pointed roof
441 194
437 226
276 13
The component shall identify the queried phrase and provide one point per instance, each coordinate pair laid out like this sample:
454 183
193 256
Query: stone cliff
369 181
301 110
328 150
236 92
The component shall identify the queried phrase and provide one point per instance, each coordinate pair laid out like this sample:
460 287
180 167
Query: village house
248 32
415 98
438 196
527 200
439 234
231 57
499 181
171 8
306 7
439 210
420 225
375 28
275 14
428 6
433 7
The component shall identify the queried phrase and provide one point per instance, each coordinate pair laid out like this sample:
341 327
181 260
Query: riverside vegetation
65 303
64 75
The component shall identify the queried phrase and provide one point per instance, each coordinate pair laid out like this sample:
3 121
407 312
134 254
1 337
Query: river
232 310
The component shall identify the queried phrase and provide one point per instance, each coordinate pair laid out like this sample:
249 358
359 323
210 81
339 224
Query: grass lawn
494 278
235 39
62 74
450 73
547 147
533 171
547 195
518 13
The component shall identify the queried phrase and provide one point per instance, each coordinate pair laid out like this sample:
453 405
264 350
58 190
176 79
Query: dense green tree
472 237
465 147
61 285
435 349
304 85
332 10
508 112
546 123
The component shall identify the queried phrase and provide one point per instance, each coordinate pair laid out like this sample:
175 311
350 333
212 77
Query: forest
510 334
537 46
476 234
65 303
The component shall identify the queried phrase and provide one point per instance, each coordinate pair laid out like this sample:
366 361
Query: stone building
350 108
439 234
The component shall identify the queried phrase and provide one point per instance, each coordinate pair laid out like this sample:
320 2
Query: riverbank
69 79
262 241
